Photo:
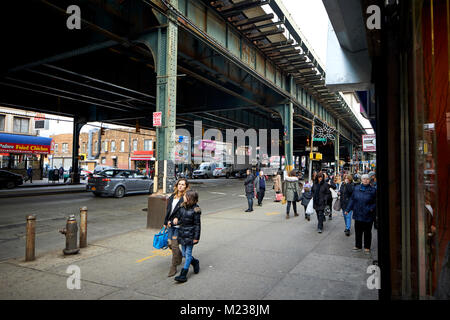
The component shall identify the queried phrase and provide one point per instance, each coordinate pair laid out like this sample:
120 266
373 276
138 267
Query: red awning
142 156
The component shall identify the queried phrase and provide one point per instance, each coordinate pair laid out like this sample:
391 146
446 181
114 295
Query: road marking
156 253
272 213
213 192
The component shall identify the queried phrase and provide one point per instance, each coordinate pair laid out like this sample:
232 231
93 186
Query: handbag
278 197
160 239
296 197
337 205
283 201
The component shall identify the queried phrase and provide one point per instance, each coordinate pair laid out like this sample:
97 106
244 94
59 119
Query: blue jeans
172 233
186 251
348 219
250 201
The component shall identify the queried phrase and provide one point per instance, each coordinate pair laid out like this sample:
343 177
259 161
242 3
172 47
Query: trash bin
156 212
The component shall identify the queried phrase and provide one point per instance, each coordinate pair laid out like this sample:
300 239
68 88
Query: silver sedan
119 182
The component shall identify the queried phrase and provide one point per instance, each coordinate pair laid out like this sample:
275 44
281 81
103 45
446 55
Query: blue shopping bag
160 239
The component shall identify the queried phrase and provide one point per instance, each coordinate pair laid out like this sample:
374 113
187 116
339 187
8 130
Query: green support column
164 46
336 149
286 112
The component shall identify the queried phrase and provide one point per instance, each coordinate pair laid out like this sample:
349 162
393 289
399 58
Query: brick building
119 148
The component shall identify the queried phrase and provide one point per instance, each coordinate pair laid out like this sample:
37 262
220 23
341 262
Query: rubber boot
183 276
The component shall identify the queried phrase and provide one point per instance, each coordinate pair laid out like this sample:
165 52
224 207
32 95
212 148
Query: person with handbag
306 198
321 197
173 205
363 204
291 192
345 193
249 189
188 220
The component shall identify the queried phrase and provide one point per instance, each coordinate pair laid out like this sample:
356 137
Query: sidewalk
258 255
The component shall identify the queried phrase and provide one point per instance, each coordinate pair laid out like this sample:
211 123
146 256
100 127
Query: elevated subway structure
228 64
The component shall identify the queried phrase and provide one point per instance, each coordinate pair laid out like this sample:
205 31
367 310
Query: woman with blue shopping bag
173 205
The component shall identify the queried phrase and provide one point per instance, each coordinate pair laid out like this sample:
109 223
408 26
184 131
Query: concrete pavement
258 255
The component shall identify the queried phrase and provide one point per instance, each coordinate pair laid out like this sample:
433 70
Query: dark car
9 179
119 182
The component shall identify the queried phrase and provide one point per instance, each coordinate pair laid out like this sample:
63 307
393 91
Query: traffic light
102 131
315 156
138 128
82 157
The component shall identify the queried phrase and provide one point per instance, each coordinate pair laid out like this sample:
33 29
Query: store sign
157 116
208 145
369 143
24 148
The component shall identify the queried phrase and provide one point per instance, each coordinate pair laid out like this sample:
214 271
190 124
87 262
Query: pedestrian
277 182
345 193
306 198
61 172
291 192
260 187
321 195
188 220
173 205
373 179
363 204
249 189
30 174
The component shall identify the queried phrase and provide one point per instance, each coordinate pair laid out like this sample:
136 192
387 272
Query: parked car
119 182
9 179
101 168
84 174
205 170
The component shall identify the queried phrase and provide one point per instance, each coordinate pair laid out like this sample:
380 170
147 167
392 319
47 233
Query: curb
39 193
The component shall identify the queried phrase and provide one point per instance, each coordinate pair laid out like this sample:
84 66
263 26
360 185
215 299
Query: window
113 146
2 122
103 146
148 145
96 146
106 146
21 125
122 146
103 160
56 148
83 148
65 148
135 145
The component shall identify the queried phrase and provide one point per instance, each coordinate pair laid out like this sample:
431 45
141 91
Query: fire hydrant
70 231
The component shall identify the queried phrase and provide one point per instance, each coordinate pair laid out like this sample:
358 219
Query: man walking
249 190
30 174
260 187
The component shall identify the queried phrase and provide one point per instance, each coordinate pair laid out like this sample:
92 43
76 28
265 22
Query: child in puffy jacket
188 218
306 198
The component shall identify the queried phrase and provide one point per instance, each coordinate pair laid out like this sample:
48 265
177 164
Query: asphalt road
106 216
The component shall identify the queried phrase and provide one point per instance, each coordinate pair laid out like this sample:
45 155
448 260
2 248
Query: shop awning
142 156
16 143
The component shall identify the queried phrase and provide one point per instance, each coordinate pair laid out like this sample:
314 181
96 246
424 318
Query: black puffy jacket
189 222
346 193
249 184
321 195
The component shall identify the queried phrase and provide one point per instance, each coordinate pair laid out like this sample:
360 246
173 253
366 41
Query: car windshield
203 167
108 173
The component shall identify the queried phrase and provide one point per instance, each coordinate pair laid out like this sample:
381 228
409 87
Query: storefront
20 152
143 160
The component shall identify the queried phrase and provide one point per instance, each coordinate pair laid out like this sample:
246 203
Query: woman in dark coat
188 218
173 205
292 192
249 184
345 194
363 204
321 196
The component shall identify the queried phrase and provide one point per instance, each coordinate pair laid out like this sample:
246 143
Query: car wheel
10 185
150 190
227 176
120 192
97 194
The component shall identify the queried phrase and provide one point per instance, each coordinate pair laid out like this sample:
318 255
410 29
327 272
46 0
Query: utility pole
312 145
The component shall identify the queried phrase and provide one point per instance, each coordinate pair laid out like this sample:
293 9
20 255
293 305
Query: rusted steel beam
249 28
235 12
284 53
275 44
271 49
265 34
254 20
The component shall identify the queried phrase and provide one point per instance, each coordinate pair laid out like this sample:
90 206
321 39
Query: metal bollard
31 236
70 231
83 227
